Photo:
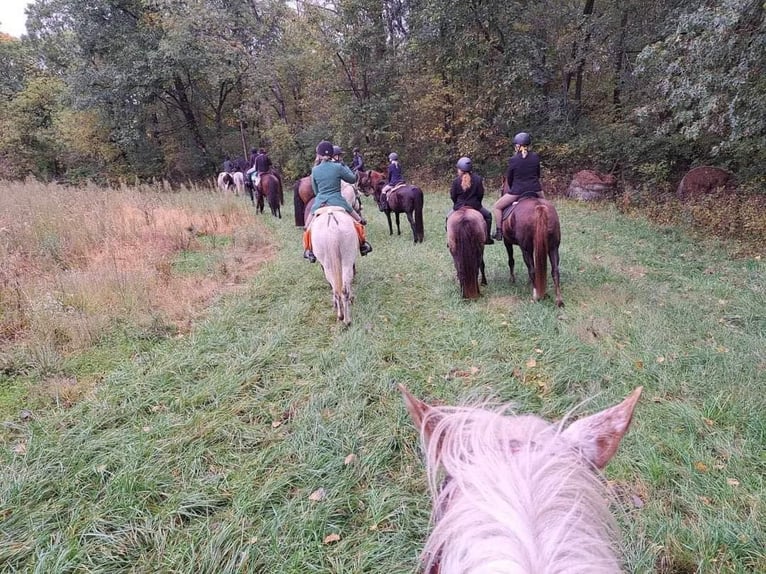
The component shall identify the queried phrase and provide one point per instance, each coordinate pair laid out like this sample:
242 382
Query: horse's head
517 490
371 182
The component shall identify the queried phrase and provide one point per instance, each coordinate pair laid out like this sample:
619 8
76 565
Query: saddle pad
328 209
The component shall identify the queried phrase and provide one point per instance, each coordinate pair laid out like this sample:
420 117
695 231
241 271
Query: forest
138 90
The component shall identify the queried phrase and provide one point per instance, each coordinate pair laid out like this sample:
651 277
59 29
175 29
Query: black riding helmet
337 150
465 164
522 138
324 149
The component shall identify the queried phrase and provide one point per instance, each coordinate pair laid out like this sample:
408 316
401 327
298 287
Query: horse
466 232
225 181
271 188
335 245
303 193
533 225
239 182
406 199
516 493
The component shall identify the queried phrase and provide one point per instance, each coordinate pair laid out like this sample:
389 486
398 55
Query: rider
357 164
522 176
337 154
325 179
262 164
228 165
394 178
468 190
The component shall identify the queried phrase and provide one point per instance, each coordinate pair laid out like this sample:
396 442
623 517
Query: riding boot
308 254
498 234
488 226
383 205
488 240
365 248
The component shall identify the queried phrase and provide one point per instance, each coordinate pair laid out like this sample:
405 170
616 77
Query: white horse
515 494
239 183
225 181
335 245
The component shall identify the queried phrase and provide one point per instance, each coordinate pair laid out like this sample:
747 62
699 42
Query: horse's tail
300 220
541 250
418 203
468 253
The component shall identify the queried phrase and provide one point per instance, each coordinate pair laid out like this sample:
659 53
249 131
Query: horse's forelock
516 494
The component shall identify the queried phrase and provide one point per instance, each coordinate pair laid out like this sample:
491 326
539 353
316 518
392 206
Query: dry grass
76 261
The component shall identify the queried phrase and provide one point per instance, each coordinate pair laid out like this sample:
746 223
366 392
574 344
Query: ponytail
465 181
524 150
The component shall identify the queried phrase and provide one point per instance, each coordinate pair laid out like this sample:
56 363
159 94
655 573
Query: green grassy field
201 453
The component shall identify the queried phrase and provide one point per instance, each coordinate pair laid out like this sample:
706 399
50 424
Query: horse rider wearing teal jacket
325 181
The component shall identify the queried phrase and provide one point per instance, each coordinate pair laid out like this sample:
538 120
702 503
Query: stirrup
308 254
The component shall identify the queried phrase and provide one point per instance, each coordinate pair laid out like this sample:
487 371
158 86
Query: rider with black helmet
357 164
395 177
522 177
337 154
325 180
468 190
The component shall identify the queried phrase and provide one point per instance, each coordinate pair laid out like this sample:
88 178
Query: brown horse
303 193
271 188
407 199
533 225
466 232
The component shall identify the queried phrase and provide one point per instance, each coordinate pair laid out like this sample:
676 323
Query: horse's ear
419 412
598 436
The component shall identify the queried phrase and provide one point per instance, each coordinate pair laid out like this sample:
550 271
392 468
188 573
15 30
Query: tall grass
201 453
77 262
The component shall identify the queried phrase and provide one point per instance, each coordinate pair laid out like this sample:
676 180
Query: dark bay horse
516 493
534 226
407 199
271 189
466 232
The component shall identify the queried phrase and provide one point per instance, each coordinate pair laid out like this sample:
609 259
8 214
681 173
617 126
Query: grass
200 452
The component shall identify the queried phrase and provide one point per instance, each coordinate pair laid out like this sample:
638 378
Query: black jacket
523 173
471 197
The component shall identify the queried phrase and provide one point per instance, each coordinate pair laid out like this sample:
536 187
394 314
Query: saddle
509 210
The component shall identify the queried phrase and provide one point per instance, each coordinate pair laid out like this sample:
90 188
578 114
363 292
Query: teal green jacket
325 180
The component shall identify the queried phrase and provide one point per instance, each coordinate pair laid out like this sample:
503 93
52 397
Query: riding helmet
465 164
337 150
324 149
356 150
522 138
393 156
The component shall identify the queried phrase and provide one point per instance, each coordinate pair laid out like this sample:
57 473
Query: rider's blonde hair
523 149
465 180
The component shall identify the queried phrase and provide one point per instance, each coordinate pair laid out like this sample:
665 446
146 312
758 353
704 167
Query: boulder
704 180
589 185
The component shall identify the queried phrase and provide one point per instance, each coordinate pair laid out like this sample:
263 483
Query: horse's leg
411 219
388 216
529 261
481 269
398 229
553 255
509 249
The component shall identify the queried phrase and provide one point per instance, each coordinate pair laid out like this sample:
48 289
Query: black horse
406 199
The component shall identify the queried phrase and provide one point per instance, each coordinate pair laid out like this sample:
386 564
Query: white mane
517 498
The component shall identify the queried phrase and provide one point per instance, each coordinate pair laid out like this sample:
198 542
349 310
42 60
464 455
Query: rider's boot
498 234
365 248
308 254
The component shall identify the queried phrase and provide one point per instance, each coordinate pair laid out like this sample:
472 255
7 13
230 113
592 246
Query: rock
589 185
704 180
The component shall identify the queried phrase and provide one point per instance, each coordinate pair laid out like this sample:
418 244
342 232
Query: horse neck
522 504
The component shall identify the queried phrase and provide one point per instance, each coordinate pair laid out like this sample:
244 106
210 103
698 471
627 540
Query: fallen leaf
539 351
660 359
705 500
732 482
708 422
700 466
531 363
637 502
20 448
330 538
275 424
639 364
474 370
517 373
318 494
351 458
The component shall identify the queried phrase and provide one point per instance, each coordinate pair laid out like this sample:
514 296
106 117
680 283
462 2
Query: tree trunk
619 58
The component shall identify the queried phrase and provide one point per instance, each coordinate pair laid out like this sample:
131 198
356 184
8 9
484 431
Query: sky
12 18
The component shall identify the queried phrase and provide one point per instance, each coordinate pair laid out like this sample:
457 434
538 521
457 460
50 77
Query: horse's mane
512 495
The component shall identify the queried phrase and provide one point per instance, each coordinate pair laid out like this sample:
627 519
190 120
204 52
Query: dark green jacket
325 180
